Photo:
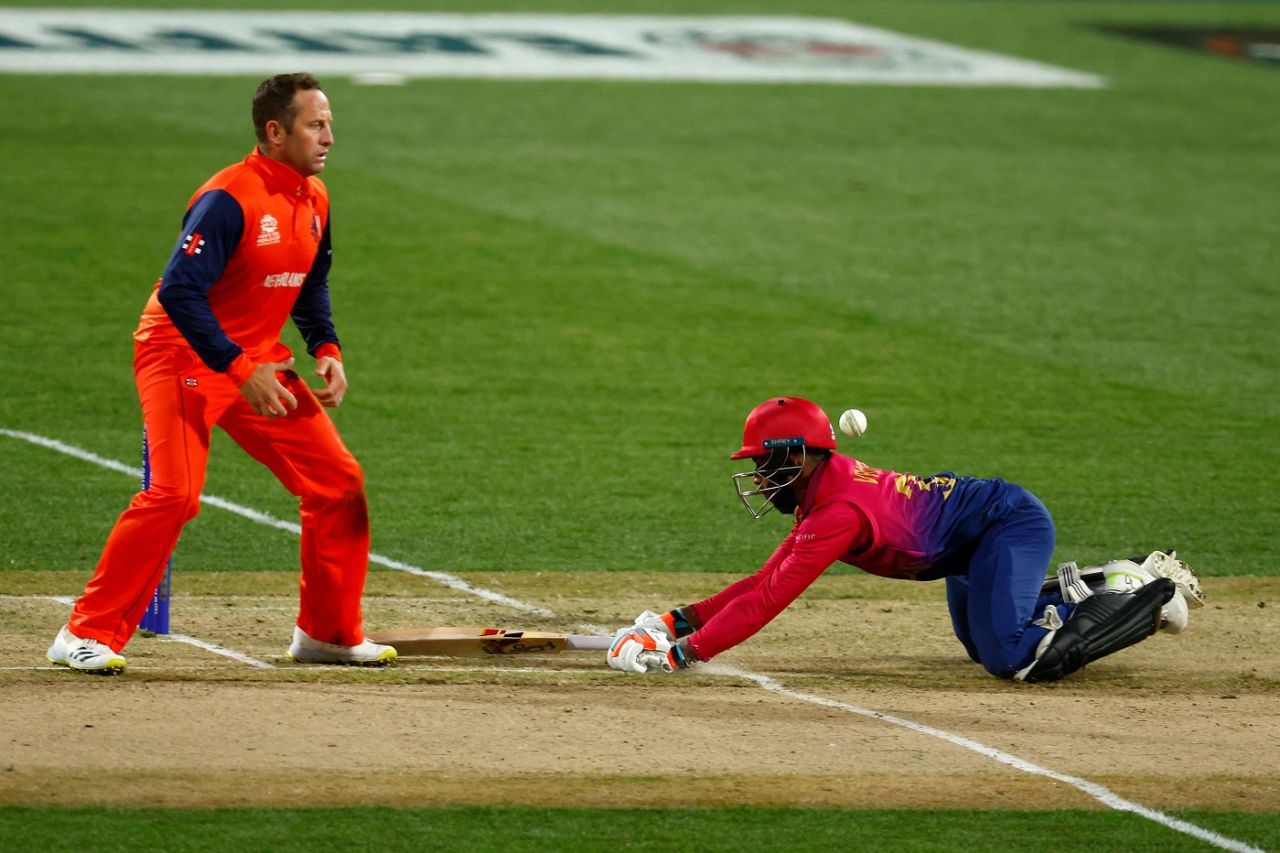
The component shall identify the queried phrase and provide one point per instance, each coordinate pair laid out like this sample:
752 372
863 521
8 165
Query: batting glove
656 622
675 623
645 650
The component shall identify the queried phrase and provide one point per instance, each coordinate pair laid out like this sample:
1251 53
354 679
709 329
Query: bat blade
479 642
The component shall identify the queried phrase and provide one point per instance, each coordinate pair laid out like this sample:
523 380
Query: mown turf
559 299
474 829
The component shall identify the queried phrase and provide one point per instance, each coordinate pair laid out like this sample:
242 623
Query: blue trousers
993 604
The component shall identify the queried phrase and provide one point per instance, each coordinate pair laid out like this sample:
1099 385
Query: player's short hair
274 100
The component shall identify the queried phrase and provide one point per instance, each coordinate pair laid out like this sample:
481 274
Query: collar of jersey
279 177
811 491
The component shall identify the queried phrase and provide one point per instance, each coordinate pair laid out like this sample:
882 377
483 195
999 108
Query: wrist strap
679 622
681 656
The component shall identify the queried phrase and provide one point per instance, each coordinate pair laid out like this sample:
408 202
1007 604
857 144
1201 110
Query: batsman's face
305 146
774 478
770 482
776 469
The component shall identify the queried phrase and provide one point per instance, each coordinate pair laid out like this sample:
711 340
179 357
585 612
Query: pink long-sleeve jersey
884 522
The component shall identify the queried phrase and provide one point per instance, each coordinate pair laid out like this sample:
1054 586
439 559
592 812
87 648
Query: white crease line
400 667
217 650
458 583
1104 795
490 670
57 599
1098 792
176 638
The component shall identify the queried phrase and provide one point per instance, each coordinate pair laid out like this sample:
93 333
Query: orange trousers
182 400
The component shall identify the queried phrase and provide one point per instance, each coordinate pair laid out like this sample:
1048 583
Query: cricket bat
476 642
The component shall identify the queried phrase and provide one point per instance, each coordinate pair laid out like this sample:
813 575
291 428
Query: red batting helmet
785 422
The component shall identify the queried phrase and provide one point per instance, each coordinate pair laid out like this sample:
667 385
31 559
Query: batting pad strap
1073 586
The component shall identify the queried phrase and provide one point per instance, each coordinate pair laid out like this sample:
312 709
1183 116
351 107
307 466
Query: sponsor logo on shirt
315 226
268 231
285 279
194 243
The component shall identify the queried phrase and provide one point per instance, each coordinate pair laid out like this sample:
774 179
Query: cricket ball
853 423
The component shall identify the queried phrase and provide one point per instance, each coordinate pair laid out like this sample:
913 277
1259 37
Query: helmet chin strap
774 495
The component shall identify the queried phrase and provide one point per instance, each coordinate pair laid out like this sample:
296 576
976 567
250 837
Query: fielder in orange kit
254 252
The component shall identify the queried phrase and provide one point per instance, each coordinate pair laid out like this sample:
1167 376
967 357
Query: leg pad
1100 625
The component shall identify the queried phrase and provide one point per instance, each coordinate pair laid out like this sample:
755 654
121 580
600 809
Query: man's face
306 145
777 471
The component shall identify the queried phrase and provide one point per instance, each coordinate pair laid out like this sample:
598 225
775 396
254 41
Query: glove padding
640 649
656 622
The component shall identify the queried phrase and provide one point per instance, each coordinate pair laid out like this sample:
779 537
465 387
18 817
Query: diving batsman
989 540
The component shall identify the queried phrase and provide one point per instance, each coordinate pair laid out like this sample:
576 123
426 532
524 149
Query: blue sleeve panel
312 313
210 233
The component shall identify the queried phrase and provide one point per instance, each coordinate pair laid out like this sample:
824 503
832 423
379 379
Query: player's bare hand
331 371
265 393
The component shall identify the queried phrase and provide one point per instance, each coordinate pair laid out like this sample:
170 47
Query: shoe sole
1187 582
383 660
109 669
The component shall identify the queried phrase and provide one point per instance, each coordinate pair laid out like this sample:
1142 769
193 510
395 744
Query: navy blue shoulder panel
211 231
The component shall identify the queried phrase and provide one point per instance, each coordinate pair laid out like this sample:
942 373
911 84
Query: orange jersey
254 250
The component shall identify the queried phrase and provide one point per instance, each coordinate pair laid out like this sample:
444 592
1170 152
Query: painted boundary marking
1102 794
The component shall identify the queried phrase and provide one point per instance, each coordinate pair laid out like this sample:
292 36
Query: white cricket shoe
1173 616
84 655
304 649
1163 565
